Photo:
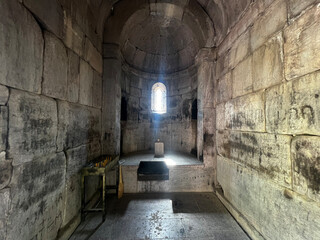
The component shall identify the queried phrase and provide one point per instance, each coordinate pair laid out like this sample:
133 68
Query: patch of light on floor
169 162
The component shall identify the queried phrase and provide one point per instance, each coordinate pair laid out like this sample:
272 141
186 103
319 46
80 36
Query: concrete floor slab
162 216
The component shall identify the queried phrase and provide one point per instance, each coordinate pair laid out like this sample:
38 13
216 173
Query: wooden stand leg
83 198
104 197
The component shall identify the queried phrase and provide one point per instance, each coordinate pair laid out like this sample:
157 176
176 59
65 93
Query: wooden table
100 172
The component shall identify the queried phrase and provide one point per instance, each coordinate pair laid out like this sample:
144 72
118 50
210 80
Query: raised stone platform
186 174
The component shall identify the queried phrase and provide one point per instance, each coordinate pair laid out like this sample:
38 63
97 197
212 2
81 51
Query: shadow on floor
161 216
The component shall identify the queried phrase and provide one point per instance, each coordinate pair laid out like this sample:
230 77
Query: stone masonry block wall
267 74
175 128
50 114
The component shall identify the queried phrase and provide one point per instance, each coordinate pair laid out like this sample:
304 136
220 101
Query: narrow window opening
159 98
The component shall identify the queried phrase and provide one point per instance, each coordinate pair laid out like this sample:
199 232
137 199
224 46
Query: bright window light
159 98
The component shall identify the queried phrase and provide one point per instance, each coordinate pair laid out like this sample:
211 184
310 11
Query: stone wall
176 128
50 105
267 78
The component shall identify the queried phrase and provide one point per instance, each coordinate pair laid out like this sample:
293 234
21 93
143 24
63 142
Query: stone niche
141 127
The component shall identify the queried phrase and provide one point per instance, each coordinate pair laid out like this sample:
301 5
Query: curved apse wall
175 128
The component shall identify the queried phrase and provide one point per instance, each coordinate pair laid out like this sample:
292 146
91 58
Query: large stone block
32 126
73 76
268 154
97 90
224 88
268 206
55 73
78 125
220 116
222 64
93 56
3 127
268 64
135 92
306 166
50 14
72 204
74 36
272 21
79 156
5 201
242 82
5 170
4 95
37 195
294 107
205 84
86 83
246 113
240 49
21 48
302 45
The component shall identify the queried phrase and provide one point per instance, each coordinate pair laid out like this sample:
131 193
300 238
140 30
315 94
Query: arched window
159 98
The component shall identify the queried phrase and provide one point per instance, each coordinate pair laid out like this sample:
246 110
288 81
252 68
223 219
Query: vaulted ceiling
164 36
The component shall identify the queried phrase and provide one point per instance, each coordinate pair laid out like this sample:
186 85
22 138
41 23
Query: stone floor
162 216
171 158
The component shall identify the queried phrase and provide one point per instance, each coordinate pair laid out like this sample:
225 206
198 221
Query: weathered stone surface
72 204
32 126
302 45
5 170
240 49
55 72
222 65
97 90
73 37
78 125
37 190
306 166
4 210
111 96
4 202
246 113
294 107
297 6
268 64
224 88
93 56
86 83
3 127
268 154
50 14
220 117
21 61
4 95
76 159
136 92
242 82
272 21
268 206
205 84
73 77
209 137
133 108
